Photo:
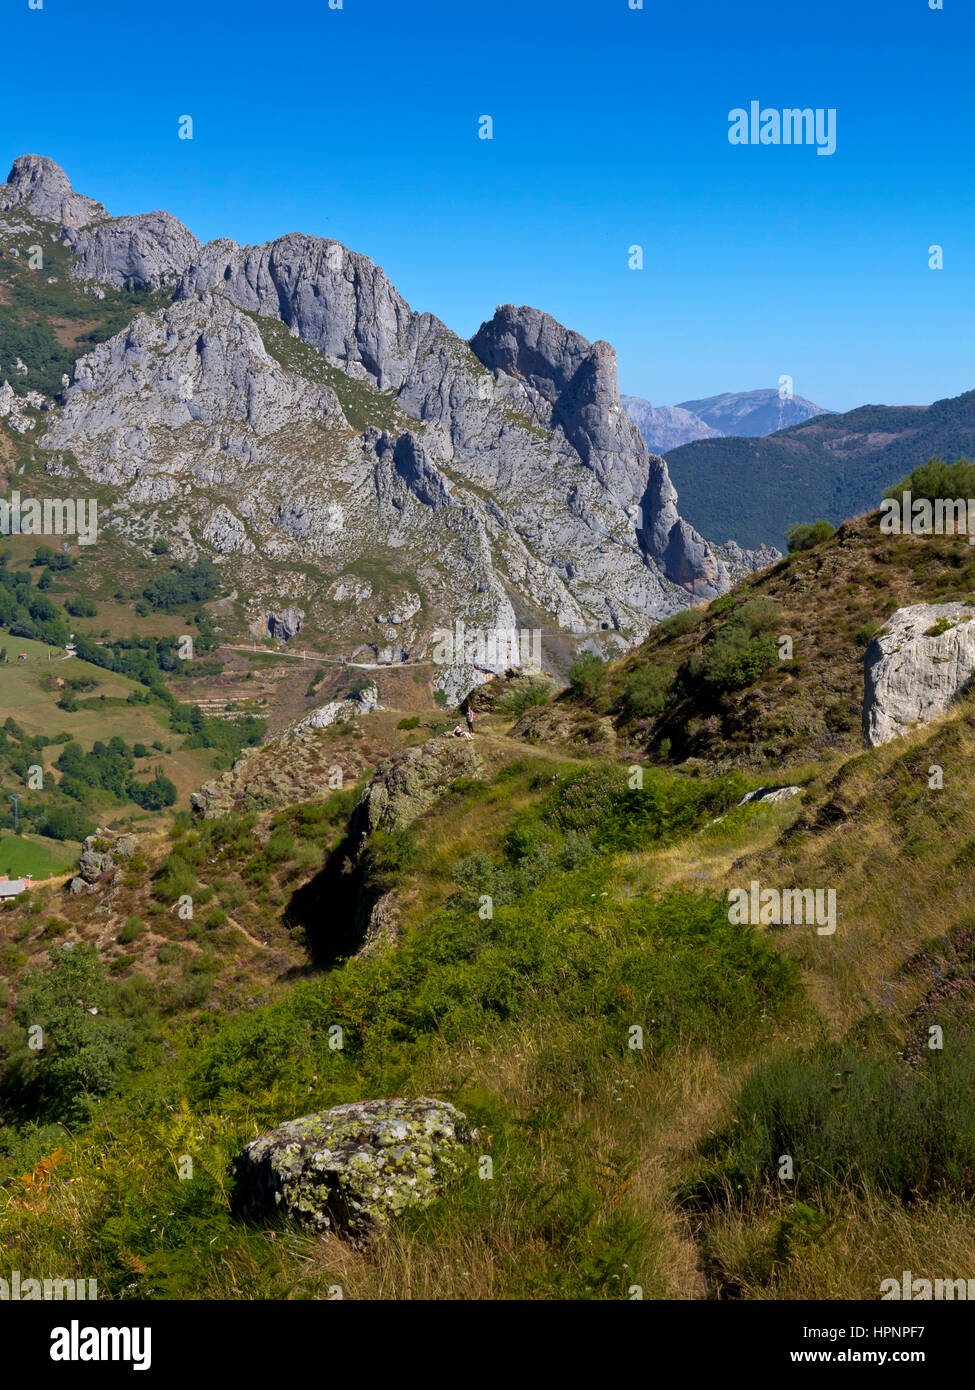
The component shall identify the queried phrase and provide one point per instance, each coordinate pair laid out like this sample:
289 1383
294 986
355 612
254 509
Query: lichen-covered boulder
409 783
355 1167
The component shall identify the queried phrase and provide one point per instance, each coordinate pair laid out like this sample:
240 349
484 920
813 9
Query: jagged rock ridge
505 468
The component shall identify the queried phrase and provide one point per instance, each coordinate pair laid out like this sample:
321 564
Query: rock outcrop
916 665
410 782
340 711
41 188
13 407
146 251
290 408
102 854
283 626
355 1168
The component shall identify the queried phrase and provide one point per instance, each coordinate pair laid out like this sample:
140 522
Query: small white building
11 887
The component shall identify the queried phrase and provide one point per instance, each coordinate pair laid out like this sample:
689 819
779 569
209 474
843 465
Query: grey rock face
12 407
339 711
150 250
101 855
284 626
741 562
339 301
42 188
198 363
572 387
354 1168
914 668
506 477
547 378
418 472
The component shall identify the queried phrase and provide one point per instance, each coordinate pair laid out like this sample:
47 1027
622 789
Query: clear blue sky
611 129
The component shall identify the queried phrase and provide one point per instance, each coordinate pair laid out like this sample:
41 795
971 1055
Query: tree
82 1046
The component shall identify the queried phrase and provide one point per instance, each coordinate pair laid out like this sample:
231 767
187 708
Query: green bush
679 623
177 877
646 691
616 817
525 692
805 534
740 650
865 634
588 677
83 1045
412 721
129 930
937 479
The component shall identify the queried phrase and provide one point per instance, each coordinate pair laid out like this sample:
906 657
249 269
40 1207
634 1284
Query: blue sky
610 130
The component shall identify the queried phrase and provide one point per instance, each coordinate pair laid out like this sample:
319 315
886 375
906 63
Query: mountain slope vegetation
833 466
636 1063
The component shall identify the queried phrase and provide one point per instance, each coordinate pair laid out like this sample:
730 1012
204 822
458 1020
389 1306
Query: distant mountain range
752 413
834 466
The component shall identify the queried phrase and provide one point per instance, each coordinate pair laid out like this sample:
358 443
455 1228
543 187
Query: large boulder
410 782
915 666
355 1167
101 857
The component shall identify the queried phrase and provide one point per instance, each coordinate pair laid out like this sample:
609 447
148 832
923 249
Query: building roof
10 887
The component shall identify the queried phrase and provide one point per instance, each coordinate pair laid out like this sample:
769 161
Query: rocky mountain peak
43 188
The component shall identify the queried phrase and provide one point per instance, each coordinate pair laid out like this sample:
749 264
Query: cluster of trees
26 612
110 767
61 810
182 585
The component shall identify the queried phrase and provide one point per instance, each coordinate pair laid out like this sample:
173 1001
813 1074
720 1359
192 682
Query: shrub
177 877
130 929
937 479
83 1045
684 621
81 607
864 635
647 688
279 847
805 534
525 692
735 659
851 1119
588 677
412 721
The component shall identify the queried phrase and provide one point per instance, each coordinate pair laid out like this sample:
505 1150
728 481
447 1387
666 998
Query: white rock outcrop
916 665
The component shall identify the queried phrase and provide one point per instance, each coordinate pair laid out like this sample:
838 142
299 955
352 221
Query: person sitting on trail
461 732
